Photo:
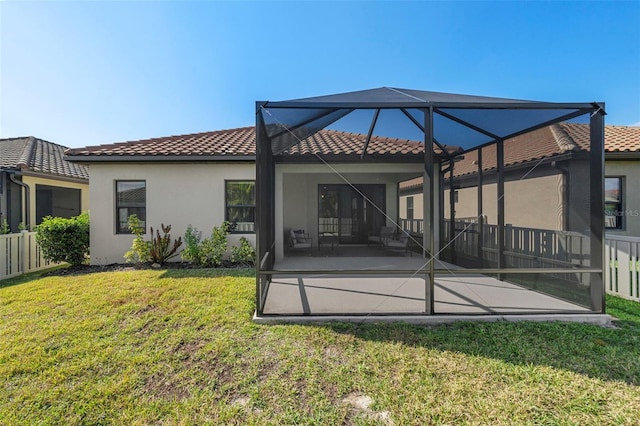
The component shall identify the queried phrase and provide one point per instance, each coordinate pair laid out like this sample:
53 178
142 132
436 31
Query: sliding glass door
351 213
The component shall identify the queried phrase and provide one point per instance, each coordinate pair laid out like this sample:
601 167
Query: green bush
191 251
64 240
140 248
214 248
243 253
4 227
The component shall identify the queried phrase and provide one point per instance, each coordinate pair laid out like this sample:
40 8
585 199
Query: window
240 203
410 208
613 202
131 198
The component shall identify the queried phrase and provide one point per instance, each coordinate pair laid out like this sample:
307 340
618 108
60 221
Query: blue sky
87 73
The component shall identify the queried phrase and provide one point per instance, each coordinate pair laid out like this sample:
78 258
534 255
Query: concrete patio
388 297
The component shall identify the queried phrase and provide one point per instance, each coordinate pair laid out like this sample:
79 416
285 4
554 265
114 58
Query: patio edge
603 320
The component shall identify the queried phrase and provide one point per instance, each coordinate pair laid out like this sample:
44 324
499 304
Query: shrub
140 248
243 253
161 248
214 248
191 251
64 240
158 250
4 227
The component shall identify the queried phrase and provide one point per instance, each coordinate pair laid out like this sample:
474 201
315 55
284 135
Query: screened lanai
405 202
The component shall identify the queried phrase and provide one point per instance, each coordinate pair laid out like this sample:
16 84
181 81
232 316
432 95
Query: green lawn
179 347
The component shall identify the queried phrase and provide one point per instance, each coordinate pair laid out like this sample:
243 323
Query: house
546 155
36 181
298 170
205 178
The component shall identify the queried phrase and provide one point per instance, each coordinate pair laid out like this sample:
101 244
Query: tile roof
543 143
241 142
616 138
228 143
37 155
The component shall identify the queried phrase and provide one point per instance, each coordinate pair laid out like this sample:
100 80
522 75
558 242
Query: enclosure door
351 212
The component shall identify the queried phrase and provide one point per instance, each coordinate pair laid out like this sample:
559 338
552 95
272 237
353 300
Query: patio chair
401 243
386 233
298 239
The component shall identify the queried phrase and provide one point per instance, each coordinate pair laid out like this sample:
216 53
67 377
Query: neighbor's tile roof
616 138
241 143
39 156
543 143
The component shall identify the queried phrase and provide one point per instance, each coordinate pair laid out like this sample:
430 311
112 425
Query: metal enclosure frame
327 109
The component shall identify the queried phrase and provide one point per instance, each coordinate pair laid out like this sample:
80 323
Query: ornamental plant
64 239
159 250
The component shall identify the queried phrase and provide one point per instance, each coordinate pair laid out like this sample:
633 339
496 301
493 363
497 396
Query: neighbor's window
131 198
240 204
613 202
410 208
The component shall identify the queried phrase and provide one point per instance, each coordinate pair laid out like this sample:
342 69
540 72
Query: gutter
27 199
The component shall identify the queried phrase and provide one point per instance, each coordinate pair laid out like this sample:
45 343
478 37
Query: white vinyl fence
19 254
622 267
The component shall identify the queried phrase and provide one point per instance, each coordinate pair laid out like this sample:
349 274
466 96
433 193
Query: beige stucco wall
177 195
630 171
529 203
32 181
297 192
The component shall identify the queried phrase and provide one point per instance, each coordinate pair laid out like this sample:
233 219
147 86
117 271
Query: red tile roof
39 156
543 143
234 143
616 138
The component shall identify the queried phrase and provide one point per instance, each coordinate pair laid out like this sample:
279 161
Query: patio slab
393 294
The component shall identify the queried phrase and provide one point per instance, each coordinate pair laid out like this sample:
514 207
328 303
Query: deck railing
19 254
544 248
622 266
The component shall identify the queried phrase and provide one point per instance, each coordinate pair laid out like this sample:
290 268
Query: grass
179 347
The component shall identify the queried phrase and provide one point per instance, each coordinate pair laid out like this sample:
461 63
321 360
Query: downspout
27 199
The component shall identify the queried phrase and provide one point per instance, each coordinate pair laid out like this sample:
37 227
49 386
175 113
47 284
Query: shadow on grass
604 353
32 276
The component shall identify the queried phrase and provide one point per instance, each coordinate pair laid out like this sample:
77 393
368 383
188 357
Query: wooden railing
19 254
543 248
622 266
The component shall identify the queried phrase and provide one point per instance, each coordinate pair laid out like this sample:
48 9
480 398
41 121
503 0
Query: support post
480 211
264 206
500 206
428 195
452 214
596 182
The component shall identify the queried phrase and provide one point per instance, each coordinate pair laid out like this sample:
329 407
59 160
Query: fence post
24 249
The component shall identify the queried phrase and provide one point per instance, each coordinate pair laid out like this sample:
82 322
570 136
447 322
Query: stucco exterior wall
33 181
176 194
297 192
630 172
529 203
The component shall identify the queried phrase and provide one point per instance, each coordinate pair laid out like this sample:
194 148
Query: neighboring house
548 177
205 178
36 181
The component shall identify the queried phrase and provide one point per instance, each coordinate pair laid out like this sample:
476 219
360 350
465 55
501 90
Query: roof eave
622 155
419 104
157 158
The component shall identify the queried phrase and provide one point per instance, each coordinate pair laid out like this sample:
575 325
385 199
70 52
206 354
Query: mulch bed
89 269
